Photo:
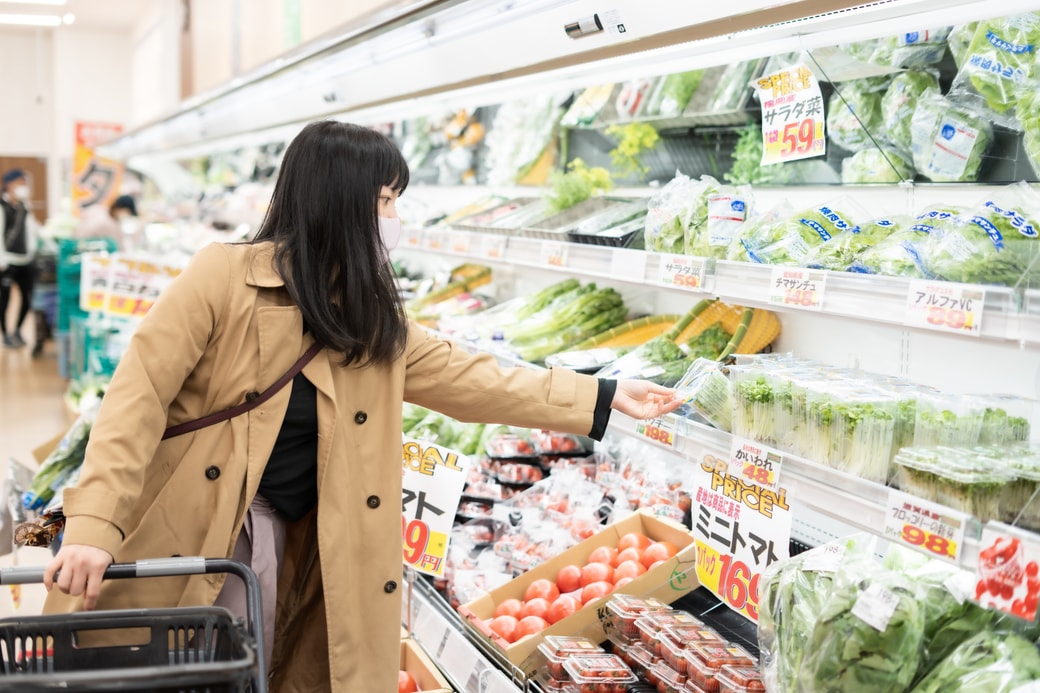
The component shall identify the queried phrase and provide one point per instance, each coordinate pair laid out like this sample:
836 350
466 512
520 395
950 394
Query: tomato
406 683
529 625
505 627
595 591
542 587
658 551
569 578
1032 601
1032 569
1007 592
980 589
621 582
603 554
636 540
510 607
629 569
536 607
629 554
596 572
562 608
654 565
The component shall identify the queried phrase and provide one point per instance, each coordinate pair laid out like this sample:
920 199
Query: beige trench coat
226 327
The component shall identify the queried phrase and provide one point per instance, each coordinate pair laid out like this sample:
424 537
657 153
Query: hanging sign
134 282
95 179
432 483
792 115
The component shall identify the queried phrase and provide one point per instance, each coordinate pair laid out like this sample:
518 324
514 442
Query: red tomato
629 569
406 683
1032 569
595 591
504 627
629 554
562 608
621 582
569 578
542 587
509 607
530 625
603 554
536 607
596 572
658 551
636 540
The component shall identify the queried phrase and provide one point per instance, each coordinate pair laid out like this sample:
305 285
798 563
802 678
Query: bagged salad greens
706 389
664 362
842 250
854 114
876 165
718 215
988 661
998 61
959 40
669 212
672 93
756 226
910 49
790 241
731 91
899 255
899 103
948 141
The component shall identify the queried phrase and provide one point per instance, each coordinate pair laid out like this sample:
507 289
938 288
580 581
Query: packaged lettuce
947 141
842 250
718 215
899 255
988 661
899 103
997 63
731 91
875 165
791 240
854 114
672 94
909 49
668 214
959 40
751 230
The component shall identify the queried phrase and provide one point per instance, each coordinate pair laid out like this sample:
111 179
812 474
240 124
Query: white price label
436 240
553 253
875 606
497 682
429 628
683 272
458 657
796 287
460 242
926 526
660 430
628 264
946 307
412 238
755 463
495 246
792 115
824 559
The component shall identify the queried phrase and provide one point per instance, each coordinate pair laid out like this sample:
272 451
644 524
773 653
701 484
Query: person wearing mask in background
305 488
17 252
118 222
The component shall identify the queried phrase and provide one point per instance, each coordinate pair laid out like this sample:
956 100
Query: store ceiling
120 15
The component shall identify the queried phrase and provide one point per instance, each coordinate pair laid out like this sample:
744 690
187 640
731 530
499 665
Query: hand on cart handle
82 568
641 399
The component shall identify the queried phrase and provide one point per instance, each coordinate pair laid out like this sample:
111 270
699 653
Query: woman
306 486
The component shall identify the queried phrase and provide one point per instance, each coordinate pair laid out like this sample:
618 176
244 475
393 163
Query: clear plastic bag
948 140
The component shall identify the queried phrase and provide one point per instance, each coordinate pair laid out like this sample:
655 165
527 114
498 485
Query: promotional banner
121 284
95 180
432 481
792 115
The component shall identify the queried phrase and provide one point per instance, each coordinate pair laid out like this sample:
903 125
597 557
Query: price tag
431 487
498 683
926 526
428 628
795 287
460 242
458 657
1008 572
495 247
628 264
412 238
945 307
435 240
792 115
134 283
659 430
553 253
875 606
754 463
682 271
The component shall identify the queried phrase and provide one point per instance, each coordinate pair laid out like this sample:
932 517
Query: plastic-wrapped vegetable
854 115
755 228
959 40
791 240
997 63
899 103
876 165
842 250
899 255
988 661
668 213
731 92
947 141
673 93
718 214
664 362
60 464
910 49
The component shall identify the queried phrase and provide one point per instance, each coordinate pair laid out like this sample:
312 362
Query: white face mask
21 192
390 232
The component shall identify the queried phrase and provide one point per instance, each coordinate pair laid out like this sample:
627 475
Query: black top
290 480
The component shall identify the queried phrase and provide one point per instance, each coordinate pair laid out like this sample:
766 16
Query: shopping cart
183 649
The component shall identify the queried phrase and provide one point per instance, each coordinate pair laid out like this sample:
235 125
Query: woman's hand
82 568
644 400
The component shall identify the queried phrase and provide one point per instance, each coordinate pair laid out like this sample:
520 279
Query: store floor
31 413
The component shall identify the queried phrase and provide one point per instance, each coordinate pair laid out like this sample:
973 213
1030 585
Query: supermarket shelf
1008 315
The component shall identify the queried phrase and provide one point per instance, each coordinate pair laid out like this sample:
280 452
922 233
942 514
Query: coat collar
261 270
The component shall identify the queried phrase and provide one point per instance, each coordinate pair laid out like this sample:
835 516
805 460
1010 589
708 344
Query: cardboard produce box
666 582
425 672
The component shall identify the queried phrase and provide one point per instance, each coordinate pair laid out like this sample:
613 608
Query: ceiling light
30 19
68 18
35 2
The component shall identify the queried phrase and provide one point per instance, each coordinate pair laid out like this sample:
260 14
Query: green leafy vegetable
899 103
948 142
988 661
854 115
567 320
999 59
634 139
578 184
876 165
842 250
674 92
60 465
790 241
899 255
747 168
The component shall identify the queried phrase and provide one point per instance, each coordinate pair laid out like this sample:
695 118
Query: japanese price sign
926 526
682 271
553 253
93 281
792 115
945 307
1008 572
95 179
412 238
755 463
740 528
494 246
432 482
134 283
460 242
436 240
661 430
794 287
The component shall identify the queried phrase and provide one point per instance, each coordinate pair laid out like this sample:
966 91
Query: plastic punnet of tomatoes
557 444
651 626
624 609
692 687
675 640
558 648
604 673
519 472
510 446
668 679
704 660
734 679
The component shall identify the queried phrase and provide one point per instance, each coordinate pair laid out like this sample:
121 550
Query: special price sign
755 463
1008 572
792 115
926 526
796 287
946 307
134 283
741 528
682 271
432 481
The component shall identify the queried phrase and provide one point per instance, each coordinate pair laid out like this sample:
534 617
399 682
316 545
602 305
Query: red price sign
658 430
1008 571
926 526
733 580
682 272
798 139
945 307
416 535
797 288
935 544
553 254
754 463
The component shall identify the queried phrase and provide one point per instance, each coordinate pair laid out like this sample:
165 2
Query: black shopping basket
183 649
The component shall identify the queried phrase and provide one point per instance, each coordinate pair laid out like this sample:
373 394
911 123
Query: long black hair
323 219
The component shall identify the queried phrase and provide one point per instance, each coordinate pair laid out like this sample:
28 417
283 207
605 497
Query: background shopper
20 231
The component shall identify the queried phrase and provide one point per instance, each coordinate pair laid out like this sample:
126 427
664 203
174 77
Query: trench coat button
390 586
360 417
250 396
373 502
212 472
